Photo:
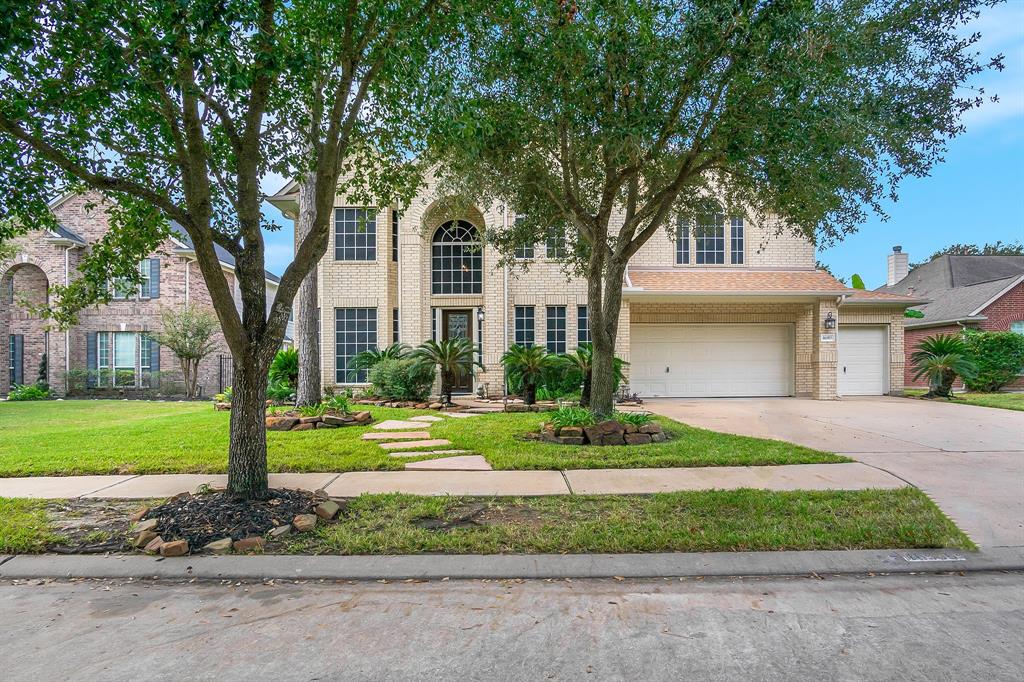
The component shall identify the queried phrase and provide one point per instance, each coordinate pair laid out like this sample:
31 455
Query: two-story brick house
109 348
729 309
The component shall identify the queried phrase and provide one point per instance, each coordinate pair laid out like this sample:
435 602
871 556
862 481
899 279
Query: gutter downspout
504 307
188 270
398 277
67 332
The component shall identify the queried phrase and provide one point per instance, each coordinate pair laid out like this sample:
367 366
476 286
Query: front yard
1006 401
138 437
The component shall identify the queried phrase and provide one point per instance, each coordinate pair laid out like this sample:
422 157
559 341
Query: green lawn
109 436
24 526
740 520
1006 401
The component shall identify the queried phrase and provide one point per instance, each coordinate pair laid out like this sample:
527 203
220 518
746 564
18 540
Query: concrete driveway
969 459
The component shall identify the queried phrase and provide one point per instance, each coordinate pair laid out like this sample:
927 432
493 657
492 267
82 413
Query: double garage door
711 360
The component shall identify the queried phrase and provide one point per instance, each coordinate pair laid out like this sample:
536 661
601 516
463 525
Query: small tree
455 358
526 364
189 333
941 359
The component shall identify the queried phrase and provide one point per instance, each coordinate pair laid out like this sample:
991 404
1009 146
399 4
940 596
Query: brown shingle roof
737 281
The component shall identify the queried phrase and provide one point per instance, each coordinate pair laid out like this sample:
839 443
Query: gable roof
179 235
959 287
63 233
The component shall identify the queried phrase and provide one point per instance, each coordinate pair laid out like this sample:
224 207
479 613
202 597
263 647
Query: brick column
825 354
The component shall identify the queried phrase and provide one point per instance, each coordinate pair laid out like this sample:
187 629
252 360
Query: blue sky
975 196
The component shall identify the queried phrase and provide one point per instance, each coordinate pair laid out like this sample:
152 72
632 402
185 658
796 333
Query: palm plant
526 364
455 358
582 360
368 358
285 367
941 359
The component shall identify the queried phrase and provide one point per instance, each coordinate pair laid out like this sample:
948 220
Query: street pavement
882 627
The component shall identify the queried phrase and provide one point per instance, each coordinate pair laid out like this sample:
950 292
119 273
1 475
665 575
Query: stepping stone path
426 418
396 435
397 425
422 453
429 443
462 463
463 415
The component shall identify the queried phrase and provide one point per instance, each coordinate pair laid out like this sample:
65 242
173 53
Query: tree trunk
585 392
307 328
604 296
529 392
247 451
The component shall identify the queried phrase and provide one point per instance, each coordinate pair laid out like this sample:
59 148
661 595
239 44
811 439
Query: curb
509 566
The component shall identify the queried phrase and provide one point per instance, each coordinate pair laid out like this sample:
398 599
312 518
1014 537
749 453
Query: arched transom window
456 259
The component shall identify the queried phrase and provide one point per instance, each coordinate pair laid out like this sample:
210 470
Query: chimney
898 265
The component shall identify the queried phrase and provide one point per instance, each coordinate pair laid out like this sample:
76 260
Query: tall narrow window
16 358
394 325
103 359
523 251
355 330
710 237
456 259
125 350
355 234
582 324
394 235
683 242
555 243
556 328
736 241
524 325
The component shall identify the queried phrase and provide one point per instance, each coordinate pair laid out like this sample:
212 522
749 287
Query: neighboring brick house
964 292
109 349
731 309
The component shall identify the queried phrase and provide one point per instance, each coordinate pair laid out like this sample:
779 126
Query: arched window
456 259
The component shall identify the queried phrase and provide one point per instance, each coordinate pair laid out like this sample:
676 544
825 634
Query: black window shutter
154 278
19 358
90 360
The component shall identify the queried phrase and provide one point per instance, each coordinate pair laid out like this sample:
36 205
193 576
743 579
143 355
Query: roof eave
1001 293
923 322
640 291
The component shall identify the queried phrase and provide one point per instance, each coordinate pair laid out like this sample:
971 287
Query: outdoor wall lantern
830 322
480 316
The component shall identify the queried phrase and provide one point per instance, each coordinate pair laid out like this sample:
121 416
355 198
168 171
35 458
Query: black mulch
201 519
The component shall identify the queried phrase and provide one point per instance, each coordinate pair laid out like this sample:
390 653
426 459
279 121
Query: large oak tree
175 109
607 120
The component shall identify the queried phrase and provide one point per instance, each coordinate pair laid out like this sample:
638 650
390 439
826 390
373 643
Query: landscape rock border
293 421
608 432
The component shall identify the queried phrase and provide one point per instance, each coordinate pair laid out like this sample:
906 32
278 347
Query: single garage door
711 360
862 360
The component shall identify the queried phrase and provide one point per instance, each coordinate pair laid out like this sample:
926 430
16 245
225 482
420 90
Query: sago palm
526 364
368 358
941 359
582 360
455 358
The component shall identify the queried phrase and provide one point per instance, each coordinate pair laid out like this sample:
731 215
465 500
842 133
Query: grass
24 526
740 520
139 437
1005 401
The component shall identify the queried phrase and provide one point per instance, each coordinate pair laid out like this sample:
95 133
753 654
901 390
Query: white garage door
711 360
862 360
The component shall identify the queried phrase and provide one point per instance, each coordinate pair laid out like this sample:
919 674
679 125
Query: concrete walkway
851 476
969 459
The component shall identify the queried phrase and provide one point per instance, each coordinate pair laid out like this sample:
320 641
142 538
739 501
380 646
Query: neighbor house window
710 240
556 328
736 241
149 287
683 242
122 359
355 234
555 243
9 289
524 325
355 330
456 259
582 324
1017 327
394 235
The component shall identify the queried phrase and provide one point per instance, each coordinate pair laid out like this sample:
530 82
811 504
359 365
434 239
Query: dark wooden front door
458 324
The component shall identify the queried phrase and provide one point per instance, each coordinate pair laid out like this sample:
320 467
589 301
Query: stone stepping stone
462 463
428 443
463 415
397 435
426 418
422 453
483 410
398 425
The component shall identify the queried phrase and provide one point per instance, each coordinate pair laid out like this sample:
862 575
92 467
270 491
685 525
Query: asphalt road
908 627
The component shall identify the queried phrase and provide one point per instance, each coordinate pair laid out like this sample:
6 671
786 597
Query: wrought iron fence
225 372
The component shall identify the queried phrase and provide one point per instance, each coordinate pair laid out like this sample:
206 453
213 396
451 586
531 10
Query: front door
458 324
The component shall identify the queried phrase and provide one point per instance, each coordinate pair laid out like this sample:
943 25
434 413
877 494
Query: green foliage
189 333
526 366
997 248
914 314
224 397
340 402
999 357
570 415
579 363
402 378
455 358
856 282
20 392
280 392
634 418
941 359
366 359
285 367
317 410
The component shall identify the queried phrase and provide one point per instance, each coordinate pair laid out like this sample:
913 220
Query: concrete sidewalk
849 476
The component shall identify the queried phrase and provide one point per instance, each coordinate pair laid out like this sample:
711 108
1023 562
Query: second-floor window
394 235
683 242
555 243
456 259
355 234
149 287
736 241
710 240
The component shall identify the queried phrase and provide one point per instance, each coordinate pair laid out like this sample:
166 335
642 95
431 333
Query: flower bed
609 432
293 420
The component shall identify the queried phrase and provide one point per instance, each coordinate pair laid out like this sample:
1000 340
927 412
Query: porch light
830 322
480 315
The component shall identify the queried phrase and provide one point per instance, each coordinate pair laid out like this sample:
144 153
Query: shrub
285 367
28 392
224 397
317 410
577 365
368 358
456 358
941 359
999 357
570 415
525 366
280 392
340 402
634 418
402 378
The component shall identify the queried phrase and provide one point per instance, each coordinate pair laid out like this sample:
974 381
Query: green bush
570 415
340 402
280 392
999 357
224 397
285 367
402 379
28 392
634 418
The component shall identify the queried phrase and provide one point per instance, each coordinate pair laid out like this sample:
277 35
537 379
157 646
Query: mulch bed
201 519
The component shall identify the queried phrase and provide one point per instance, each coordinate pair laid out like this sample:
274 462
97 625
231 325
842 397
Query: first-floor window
556 328
394 325
126 345
1017 327
524 325
355 330
124 360
582 325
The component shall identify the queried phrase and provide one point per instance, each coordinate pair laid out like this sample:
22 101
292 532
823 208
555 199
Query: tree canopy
996 248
